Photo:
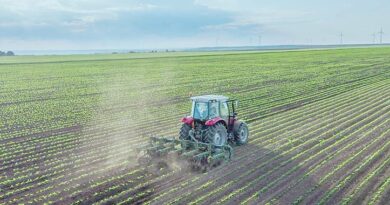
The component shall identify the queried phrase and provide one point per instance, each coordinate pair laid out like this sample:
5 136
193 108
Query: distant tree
10 53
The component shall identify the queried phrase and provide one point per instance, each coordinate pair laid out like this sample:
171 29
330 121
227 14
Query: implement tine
161 145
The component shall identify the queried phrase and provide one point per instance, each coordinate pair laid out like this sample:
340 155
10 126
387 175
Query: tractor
206 136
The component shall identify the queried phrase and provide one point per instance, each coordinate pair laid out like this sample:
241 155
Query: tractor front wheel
217 135
242 134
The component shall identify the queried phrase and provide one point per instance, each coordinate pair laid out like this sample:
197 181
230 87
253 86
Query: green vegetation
319 128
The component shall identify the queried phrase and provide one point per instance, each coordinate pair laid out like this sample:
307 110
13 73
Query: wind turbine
381 35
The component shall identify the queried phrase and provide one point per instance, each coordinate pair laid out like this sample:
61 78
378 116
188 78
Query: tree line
8 53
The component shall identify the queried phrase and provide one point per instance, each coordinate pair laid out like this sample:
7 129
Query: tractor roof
206 98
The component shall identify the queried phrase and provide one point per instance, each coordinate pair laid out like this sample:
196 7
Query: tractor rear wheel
242 134
217 135
185 135
185 132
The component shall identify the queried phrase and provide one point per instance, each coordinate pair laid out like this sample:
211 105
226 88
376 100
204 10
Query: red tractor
205 137
213 120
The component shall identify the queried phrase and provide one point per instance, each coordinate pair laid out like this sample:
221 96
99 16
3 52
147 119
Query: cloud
116 18
72 13
229 5
73 6
100 21
183 23
249 12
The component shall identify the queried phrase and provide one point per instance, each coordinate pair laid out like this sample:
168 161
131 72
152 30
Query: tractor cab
209 107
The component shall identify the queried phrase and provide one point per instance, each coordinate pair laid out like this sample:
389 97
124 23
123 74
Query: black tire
217 135
242 134
184 133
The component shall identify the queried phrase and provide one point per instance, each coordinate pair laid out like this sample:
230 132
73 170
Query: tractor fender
214 121
187 120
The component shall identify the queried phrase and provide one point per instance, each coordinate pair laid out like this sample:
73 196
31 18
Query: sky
170 24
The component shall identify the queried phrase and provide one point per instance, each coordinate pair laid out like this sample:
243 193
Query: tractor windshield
200 110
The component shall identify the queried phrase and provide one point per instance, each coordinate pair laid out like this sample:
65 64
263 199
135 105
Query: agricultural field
318 120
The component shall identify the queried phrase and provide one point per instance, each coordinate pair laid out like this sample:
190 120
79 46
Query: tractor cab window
224 110
214 109
200 110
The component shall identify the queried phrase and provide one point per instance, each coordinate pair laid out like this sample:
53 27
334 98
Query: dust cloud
116 123
119 125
